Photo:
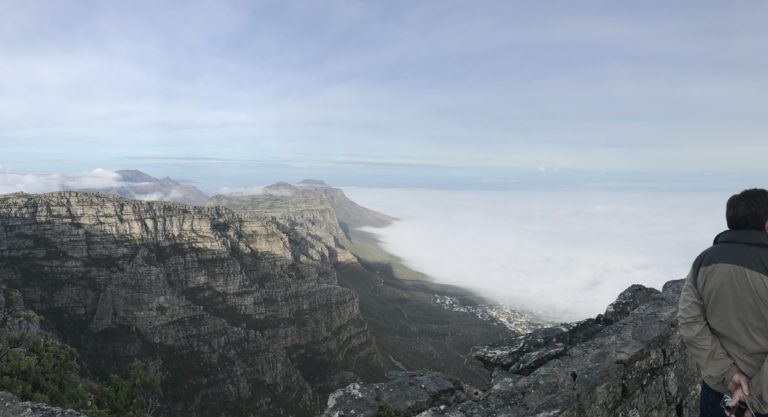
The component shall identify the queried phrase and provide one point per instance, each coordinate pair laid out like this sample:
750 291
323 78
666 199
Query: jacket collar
749 237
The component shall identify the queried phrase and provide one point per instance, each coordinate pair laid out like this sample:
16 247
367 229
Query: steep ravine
240 317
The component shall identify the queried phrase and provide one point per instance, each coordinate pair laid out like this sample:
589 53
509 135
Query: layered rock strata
629 361
239 316
303 214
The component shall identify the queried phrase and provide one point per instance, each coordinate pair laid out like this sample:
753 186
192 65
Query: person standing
723 310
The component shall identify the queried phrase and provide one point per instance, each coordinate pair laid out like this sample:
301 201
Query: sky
416 93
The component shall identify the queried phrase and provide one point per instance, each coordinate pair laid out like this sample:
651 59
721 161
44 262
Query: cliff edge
629 361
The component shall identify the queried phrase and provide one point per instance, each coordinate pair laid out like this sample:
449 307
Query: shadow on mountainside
413 333
233 332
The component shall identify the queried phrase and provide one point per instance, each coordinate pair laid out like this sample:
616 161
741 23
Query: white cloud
13 181
242 191
156 196
563 253
98 178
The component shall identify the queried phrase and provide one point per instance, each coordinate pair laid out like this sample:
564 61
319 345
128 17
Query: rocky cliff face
351 215
301 213
239 316
629 361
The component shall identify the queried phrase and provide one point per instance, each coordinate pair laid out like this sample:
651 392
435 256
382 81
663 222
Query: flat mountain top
350 214
320 183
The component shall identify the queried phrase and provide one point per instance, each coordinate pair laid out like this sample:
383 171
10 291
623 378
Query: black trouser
710 403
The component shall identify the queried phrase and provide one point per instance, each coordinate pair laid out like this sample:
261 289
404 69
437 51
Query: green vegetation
386 410
38 369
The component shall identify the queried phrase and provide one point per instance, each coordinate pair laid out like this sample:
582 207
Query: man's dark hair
747 210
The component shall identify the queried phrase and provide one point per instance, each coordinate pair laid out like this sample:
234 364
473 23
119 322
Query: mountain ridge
274 294
142 186
195 292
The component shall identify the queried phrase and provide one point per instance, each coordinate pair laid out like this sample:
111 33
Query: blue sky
386 91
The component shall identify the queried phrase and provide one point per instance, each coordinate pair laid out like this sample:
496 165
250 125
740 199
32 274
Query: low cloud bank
242 191
102 180
13 181
564 254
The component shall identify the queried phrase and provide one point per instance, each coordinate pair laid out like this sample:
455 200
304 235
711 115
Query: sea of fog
563 254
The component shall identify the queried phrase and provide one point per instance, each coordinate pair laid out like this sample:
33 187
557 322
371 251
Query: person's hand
738 386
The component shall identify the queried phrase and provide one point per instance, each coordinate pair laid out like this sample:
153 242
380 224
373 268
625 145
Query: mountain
241 316
629 361
410 329
138 185
257 308
351 215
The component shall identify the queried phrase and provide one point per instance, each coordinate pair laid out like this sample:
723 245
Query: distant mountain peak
281 189
142 186
134 175
309 181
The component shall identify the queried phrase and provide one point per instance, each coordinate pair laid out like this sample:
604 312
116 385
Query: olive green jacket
723 314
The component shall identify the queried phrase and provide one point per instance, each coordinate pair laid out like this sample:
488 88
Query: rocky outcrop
351 215
303 214
629 361
405 392
11 406
240 318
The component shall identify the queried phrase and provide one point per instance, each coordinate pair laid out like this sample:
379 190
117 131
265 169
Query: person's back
723 316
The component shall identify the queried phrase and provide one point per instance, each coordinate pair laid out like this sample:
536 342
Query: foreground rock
628 362
406 392
11 406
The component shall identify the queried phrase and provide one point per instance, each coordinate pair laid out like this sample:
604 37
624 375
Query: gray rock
406 393
240 315
628 362
11 406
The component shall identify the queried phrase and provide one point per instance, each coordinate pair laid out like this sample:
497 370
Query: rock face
405 392
629 361
411 331
10 406
304 215
241 317
351 215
